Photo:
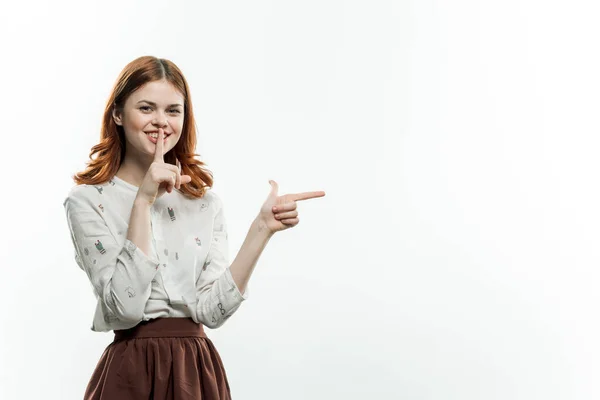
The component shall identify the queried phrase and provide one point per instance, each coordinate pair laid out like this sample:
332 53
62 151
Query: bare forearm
242 266
139 225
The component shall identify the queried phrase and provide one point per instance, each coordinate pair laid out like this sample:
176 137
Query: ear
117 116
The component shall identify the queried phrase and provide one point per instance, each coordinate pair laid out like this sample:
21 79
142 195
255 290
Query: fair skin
154 107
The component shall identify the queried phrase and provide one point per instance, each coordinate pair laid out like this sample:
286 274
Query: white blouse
187 274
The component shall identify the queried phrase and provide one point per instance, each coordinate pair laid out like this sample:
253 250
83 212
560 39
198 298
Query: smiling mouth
154 139
154 134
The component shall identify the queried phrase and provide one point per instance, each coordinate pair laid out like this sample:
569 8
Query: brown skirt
164 358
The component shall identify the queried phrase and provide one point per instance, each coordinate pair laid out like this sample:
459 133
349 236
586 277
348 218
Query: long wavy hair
110 152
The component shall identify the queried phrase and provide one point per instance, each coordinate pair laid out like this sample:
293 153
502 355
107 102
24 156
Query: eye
176 111
145 108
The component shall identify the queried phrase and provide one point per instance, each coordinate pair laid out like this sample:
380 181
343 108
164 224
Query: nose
162 122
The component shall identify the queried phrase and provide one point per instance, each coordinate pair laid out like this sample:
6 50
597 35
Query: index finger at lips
158 151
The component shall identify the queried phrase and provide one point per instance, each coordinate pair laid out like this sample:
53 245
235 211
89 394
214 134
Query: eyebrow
154 104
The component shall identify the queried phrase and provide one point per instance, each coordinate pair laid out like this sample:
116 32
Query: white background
455 253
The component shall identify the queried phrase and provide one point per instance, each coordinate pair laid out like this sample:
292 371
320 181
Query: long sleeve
218 297
120 274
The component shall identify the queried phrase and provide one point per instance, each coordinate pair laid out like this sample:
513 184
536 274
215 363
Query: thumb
274 188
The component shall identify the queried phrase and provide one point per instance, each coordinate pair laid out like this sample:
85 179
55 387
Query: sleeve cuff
134 253
232 287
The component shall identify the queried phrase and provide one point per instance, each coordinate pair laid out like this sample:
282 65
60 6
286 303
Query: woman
153 241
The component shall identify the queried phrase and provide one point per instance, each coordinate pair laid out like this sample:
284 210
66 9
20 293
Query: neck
133 170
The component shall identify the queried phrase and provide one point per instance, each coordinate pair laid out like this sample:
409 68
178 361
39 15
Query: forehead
159 92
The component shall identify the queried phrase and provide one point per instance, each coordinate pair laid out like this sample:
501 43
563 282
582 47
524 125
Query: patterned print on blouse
99 246
109 318
197 279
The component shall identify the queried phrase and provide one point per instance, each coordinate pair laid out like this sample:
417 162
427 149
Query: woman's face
155 105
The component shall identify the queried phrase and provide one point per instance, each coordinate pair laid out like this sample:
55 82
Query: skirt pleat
164 358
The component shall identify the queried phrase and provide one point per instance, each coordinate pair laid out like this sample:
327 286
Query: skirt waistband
162 327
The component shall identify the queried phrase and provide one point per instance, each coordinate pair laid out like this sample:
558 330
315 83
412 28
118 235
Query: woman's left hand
279 212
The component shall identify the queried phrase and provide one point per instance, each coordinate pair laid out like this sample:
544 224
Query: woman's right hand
161 177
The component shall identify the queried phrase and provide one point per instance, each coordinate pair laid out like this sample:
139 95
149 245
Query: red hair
111 149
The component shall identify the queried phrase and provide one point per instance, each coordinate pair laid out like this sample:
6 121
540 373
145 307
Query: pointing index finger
158 151
308 195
